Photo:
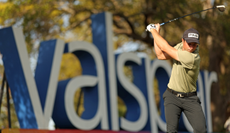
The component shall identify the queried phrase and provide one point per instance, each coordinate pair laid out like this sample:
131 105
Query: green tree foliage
70 20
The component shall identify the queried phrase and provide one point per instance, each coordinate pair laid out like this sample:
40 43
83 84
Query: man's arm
163 45
160 54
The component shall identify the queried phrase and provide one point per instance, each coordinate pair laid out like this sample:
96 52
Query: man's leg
172 111
194 113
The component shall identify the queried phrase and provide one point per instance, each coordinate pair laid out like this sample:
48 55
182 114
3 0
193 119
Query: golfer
181 95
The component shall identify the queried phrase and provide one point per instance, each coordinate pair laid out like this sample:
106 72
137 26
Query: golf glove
150 26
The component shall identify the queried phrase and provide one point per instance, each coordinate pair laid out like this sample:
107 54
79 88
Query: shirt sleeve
186 59
177 46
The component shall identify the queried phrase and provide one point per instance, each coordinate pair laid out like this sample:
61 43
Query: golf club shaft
221 8
185 16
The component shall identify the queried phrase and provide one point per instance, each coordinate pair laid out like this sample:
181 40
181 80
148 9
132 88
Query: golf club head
221 8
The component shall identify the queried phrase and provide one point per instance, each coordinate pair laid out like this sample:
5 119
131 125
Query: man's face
190 47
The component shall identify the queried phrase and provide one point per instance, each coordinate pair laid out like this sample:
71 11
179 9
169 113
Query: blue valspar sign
41 96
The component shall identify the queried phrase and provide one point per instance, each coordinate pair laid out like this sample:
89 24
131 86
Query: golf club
221 8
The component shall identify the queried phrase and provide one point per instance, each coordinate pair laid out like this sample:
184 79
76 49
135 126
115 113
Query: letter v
28 105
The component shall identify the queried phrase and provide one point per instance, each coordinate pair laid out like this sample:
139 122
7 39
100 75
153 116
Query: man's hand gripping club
153 26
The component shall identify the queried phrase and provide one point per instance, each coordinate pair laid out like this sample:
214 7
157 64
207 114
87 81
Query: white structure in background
1 62
130 47
227 124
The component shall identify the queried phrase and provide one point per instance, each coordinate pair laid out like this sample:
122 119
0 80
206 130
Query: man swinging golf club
181 95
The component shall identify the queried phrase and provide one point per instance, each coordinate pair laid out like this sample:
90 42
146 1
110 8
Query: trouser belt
180 94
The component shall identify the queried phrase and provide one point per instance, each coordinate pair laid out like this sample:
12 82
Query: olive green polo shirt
185 71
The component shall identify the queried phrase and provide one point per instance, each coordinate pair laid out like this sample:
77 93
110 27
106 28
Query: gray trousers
191 108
